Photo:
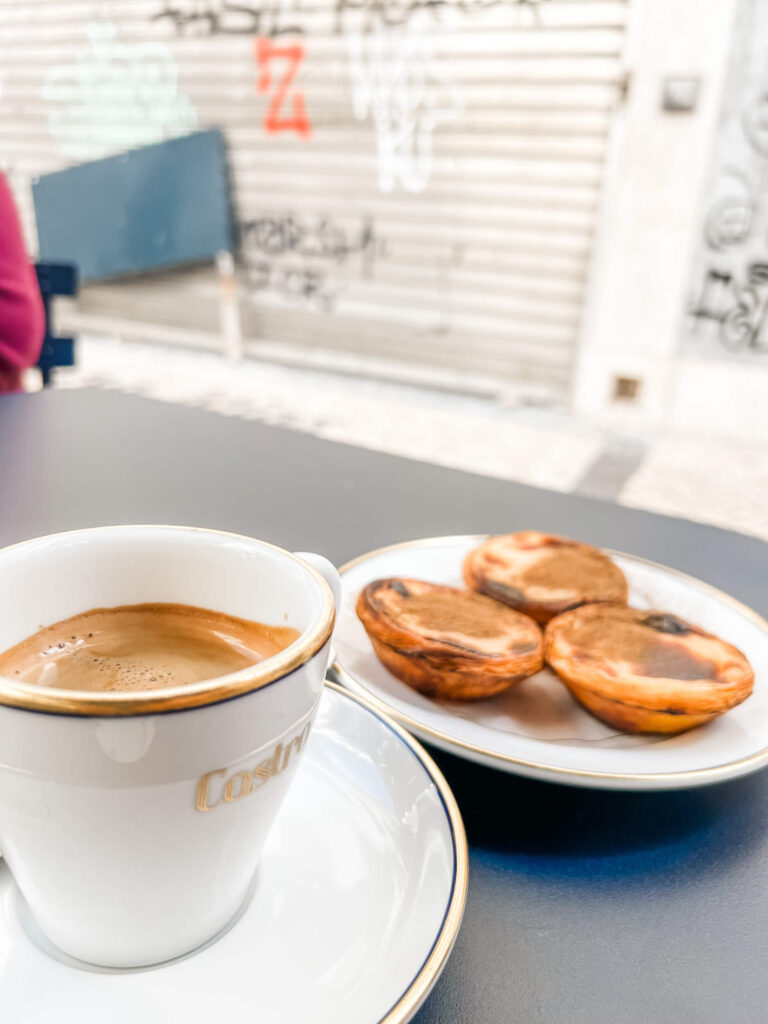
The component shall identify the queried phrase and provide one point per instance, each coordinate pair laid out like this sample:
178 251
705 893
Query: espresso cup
133 822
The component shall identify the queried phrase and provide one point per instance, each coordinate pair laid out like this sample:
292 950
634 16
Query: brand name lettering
212 791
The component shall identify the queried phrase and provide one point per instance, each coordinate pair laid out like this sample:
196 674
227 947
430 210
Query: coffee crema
142 647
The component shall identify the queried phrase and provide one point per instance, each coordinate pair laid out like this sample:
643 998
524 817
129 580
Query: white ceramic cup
133 822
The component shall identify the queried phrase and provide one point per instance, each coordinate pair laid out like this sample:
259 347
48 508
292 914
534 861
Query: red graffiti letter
297 121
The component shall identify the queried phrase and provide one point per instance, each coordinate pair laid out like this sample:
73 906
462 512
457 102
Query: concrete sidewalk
719 482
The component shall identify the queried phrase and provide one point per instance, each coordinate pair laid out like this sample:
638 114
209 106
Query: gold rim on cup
30 697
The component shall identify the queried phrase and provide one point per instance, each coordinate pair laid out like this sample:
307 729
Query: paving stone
717 482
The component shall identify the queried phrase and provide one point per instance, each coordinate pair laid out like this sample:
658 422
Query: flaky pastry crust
446 642
543 575
645 671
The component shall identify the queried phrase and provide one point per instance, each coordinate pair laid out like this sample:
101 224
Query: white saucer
537 729
355 908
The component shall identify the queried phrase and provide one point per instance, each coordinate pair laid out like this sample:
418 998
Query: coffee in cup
142 647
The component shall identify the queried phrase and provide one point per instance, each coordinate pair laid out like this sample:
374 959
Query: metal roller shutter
415 180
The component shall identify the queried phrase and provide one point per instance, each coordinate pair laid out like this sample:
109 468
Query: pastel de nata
224 786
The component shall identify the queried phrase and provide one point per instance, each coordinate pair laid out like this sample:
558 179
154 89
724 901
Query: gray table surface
584 907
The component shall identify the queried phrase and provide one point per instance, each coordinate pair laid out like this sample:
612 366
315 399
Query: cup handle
327 570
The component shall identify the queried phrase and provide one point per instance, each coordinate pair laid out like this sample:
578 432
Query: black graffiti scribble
299 285
754 122
392 13
219 17
278 234
270 19
729 222
742 325
739 308
758 273
716 295
296 257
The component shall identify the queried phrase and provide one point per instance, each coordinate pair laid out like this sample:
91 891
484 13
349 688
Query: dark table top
584 907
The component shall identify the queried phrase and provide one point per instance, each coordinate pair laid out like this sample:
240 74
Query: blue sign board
158 206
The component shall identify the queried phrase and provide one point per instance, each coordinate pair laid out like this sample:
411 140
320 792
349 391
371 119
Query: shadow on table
551 830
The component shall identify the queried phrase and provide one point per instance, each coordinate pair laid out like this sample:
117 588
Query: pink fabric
22 318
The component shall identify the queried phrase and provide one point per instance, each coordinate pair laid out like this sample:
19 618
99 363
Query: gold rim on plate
447 742
420 987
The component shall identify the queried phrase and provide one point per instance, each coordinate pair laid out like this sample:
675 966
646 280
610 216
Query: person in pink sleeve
22 318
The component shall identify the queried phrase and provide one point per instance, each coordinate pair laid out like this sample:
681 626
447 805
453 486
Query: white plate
537 728
357 902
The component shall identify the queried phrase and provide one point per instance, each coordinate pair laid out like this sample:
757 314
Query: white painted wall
720 381
650 216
